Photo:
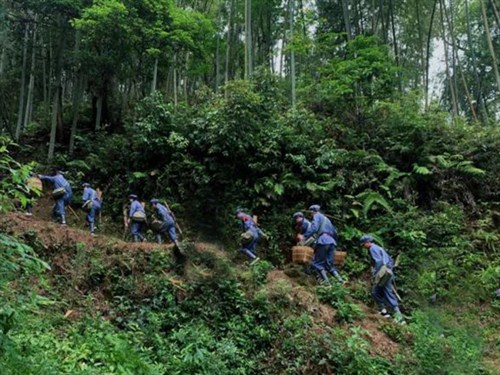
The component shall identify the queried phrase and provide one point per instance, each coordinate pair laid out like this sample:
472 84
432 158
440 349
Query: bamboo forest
237 187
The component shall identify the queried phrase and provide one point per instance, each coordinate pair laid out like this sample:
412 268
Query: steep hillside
107 306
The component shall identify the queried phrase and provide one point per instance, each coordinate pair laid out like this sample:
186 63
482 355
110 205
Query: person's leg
141 231
250 249
91 219
134 231
172 234
330 262
319 263
59 211
379 297
390 296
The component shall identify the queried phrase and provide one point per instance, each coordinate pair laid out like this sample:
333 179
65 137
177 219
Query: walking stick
175 220
73 212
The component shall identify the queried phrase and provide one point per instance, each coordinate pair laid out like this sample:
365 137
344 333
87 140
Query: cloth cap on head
154 201
132 196
86 184
366 238
298 214
315 208
238 210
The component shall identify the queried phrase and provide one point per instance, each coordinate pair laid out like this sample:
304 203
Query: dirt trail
300 296
50 233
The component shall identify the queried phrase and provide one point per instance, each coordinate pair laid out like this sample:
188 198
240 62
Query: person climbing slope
168 222
92 204
302 225
62 194
136 218
323 235
250 236
383 279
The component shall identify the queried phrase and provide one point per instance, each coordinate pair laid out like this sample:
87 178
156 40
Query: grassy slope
113 307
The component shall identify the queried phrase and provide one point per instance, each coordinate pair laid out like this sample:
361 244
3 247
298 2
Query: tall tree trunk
495 12
395 41
447 62
347 18
248 39
175 80
77 98
44 70
450 21
98 112
421 46
186 73
23 84
2 60
57 94
490 45
31 84
155 76
428 54
292 52
472 50
228 45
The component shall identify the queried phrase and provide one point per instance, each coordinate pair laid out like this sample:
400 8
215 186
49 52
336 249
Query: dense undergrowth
424 185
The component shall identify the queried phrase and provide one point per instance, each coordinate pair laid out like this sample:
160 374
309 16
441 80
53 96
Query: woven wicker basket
302 254
339 258
34 183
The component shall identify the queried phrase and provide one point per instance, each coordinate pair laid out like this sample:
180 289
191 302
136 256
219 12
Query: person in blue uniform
59 182
324 245
168 222
383 295
250 228
136 227
92 204
302 225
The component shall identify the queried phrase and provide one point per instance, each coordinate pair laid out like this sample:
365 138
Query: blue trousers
330 259
59 210
320 259
250 249
385 295
136 229
91 215
168 228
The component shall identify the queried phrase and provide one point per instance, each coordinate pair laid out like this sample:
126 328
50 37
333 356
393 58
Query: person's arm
133 208
378 259
86 195
313 228
50 179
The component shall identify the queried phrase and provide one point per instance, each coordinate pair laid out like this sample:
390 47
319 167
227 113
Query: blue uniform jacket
248 224
379 257
328 232
58 181
164 214
90 194
134 207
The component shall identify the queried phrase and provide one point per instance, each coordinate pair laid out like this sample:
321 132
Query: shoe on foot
384 313
399 319
254 261
28 214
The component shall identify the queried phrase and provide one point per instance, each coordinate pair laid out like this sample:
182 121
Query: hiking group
320 234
